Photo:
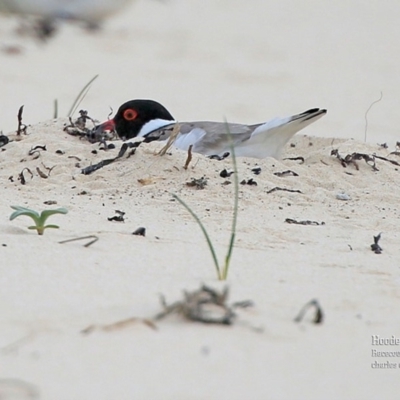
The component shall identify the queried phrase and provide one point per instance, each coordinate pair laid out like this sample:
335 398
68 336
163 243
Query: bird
148 119
91 11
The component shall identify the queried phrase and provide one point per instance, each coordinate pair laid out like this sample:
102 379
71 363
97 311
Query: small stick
189 157
120 325
95 239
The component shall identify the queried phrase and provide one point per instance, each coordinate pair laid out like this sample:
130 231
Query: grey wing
162 133
212 138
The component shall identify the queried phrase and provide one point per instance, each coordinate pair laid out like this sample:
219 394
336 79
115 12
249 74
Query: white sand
204 61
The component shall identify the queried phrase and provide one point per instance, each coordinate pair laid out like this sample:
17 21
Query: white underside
268 140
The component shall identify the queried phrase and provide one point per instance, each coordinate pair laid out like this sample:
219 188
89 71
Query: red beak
105 126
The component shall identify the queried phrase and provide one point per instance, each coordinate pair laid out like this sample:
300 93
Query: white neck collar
153 125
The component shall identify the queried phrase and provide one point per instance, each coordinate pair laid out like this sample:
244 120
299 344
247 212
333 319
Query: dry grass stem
171 139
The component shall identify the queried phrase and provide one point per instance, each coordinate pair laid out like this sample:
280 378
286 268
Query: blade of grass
235 207
222 275
210 245
81 96
55 113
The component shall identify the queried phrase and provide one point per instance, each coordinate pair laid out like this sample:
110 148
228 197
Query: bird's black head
133 115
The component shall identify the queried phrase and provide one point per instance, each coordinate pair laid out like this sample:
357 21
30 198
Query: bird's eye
129 114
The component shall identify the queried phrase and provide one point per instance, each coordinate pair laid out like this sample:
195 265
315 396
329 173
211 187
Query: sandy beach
204 61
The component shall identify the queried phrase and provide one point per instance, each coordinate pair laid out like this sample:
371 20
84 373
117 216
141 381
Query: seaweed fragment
3 139
386 159
256 170
375 247
35 151
199 183
218 157
318 316
276 188
119 217
37 148
286 173
304 222
352 158
301 159
41 173
141 231
49 169
21 176
50 202
225 173
250 182
125 146
203 305
21 127
93 135
106 147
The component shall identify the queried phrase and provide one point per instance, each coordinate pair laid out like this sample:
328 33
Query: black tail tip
312 113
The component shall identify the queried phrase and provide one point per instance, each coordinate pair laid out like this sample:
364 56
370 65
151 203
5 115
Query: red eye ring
130 114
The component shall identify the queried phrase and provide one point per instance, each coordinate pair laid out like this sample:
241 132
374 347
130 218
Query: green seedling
222 273
39 219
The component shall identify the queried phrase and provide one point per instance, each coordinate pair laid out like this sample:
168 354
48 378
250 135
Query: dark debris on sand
318 313
79 128
304 222
375 247
198 183
205 305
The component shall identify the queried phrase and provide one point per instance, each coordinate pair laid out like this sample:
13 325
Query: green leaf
51 226
46 213
43 227
23 211
38 219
